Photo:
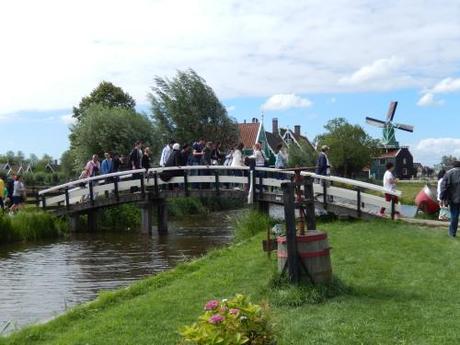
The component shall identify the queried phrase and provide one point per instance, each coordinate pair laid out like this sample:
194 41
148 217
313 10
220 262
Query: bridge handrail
87 179
351 182
75 183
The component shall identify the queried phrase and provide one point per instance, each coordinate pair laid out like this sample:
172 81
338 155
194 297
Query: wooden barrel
313 249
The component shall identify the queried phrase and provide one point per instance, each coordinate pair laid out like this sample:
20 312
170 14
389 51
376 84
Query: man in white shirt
166 153
389 184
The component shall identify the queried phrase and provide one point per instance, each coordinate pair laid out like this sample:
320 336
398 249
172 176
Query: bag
444 213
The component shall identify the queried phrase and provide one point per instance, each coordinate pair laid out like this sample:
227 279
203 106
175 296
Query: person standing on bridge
146 159
19 194
93 166
389 184
450 195
135 157
107 164
323 167
2 188
167 150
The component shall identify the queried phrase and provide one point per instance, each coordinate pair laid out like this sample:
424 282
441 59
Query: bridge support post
263 207
74 222
146 218
162 217
92 220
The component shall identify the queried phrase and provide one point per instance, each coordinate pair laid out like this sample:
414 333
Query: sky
304 62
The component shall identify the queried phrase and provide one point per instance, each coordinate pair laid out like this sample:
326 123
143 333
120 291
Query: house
254 132
400 157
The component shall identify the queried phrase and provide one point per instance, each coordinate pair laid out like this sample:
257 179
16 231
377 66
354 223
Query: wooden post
216 174
91 192
92 220
155 179
324 182
146 218
115 188
309 203
74 222
67 199
186 189
141 178
291 235
358 201
44 201
162 217
393 207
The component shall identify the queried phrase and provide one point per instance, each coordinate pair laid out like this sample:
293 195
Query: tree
186 109
68 164
447 162
103 129
351 148
303 156
108 95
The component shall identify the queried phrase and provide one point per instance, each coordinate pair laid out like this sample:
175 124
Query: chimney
297 129
275 125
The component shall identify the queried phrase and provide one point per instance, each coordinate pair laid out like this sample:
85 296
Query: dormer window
288 138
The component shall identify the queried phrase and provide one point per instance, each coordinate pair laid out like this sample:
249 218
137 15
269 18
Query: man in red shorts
389 184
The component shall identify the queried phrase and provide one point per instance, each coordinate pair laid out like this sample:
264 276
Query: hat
324 148
176 146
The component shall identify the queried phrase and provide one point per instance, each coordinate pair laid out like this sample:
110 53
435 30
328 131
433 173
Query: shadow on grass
282 293
379 293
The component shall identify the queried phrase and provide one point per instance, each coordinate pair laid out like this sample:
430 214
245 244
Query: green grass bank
30 225
401 288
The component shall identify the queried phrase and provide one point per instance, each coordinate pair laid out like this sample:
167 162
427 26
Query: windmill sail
391 111
407 128
375 122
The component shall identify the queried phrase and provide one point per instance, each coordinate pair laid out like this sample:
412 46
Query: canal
41 280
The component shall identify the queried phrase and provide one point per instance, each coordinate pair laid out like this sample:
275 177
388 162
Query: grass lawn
403 280
409 191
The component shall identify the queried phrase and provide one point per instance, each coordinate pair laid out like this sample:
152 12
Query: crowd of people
12 193
173 154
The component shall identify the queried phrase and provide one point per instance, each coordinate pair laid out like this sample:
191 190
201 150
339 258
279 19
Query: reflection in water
39 281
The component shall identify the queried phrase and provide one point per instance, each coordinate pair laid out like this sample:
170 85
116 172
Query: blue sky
303 62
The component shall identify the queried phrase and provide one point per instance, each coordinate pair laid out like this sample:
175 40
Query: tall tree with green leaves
108 95
103 129
303 156
185 108
351 148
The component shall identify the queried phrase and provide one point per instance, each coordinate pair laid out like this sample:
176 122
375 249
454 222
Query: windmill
389 138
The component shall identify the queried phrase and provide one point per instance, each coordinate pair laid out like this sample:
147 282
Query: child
389 184
443 210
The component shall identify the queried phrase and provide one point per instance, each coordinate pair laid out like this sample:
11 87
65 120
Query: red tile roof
248 133
389 154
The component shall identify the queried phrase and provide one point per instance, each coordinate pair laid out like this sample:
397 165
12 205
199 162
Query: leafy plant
249 224
230 322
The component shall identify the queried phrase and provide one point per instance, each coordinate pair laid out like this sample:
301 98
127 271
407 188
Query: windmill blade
391 111
407 128
375 122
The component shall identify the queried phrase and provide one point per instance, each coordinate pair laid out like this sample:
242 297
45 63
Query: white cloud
242 48
431 150
285 101
378 69
230 108
68 119
447 85
429 100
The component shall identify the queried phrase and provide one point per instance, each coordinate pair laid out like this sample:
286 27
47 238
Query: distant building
400 157
254 132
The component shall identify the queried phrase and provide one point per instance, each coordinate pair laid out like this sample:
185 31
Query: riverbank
401 279
30 225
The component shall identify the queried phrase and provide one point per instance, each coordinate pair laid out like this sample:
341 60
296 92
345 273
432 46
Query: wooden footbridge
151 189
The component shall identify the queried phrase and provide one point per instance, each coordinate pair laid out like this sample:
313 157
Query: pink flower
234 311
211 305
216 318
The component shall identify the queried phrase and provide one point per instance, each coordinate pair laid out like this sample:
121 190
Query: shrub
120 217
230 322
182 206
250 224
30 225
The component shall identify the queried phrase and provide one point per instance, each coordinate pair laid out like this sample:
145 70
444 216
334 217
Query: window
404 171
404 161
288 138
383 162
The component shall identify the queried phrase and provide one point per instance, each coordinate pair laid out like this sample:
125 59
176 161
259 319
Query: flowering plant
234 321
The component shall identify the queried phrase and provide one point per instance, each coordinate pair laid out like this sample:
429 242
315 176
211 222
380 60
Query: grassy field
402 288
409 191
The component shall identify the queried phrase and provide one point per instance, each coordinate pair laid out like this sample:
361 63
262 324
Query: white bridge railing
327 189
